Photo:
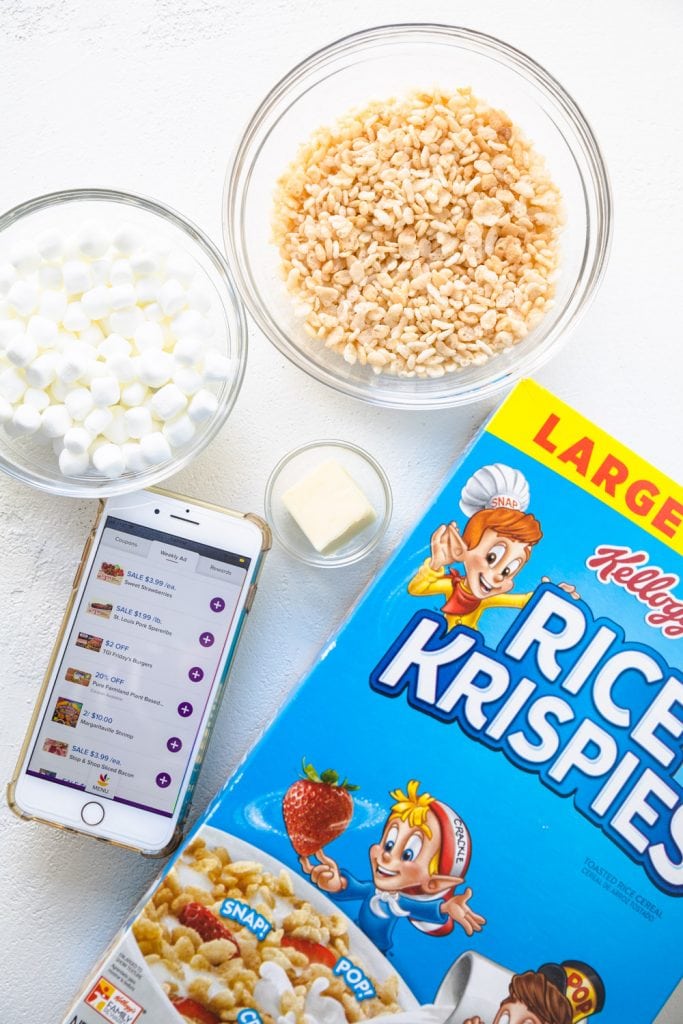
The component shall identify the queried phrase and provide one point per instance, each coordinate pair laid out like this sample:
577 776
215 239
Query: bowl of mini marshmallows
417 215
122 342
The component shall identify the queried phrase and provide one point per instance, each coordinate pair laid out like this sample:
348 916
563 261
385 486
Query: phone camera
156 511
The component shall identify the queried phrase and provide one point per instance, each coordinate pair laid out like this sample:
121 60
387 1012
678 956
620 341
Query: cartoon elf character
420 860
554 994
494 546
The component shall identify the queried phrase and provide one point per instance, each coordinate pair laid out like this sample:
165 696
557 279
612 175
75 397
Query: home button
92 813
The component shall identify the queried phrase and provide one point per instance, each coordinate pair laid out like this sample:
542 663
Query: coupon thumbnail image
111 572
67 712
76 675
89 642
57 747
101 608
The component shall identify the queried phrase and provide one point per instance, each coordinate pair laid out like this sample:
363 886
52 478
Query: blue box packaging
471 810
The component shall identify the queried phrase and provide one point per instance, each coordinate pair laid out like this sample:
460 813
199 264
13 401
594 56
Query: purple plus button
216 604
196 674
174 744
163 780
207 639
185 709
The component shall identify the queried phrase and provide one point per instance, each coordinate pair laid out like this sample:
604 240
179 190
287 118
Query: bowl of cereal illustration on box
231 929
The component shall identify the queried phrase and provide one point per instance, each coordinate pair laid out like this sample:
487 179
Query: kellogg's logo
648 583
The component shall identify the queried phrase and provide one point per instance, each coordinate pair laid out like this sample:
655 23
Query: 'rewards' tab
471 809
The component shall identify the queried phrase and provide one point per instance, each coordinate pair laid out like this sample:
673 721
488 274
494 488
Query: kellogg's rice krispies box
471 811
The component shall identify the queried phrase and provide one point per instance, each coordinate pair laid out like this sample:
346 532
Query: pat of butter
329 506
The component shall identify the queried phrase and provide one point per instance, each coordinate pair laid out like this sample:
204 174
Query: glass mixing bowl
32 460
391 61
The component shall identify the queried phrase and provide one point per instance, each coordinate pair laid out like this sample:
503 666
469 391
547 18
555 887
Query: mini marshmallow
203 406
133 457
199 297
55 421
147 289
95 370
77 440
21 350
50 245
188 322
126 239
172 297
25 257
8 276
73 362
97 420
23 297
114 345
181 267
75 318
121 272
79 402
64 339
42 370
42 330
122 367
52 304
36 397
134 394
188 350
216 366
58 391
101 271
97 302
26 419
50 276
156 368
76 276
123 296
153 312
187 379
8 330
12 384
179 431
149 336
143 263
105 391
125 321
6 410
109 461
168 402
155 448
116 431
92 335
139 421
72 463
91 240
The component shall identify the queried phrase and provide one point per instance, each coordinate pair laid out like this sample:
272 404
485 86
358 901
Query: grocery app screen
139 666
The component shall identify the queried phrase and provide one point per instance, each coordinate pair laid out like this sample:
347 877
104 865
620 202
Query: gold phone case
178 834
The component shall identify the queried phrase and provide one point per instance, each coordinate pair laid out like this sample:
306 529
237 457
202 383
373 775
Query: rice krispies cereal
224 975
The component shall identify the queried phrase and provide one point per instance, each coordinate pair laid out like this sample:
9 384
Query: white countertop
149 96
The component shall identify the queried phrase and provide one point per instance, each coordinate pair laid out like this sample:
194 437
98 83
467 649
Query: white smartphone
137 673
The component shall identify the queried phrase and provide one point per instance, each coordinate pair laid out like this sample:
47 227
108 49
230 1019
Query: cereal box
471 810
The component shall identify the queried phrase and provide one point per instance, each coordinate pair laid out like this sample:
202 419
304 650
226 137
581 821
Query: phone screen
139 666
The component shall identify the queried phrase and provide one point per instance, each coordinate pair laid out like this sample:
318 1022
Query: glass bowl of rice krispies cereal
230 929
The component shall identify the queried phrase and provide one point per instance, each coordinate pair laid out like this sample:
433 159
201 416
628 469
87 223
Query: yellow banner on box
545 428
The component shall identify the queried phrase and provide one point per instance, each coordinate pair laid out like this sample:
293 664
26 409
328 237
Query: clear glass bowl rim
315 558
595 251
102 488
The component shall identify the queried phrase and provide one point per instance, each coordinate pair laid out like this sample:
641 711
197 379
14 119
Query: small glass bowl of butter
329 503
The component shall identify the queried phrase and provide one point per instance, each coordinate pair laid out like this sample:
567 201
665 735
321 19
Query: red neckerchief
462 600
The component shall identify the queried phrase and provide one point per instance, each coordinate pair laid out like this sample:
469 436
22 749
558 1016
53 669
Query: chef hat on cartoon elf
495 486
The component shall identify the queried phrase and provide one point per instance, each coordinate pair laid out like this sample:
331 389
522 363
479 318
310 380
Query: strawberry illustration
193 1011
206 924
316 809
316 953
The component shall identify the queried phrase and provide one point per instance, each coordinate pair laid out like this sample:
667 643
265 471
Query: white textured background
150 96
